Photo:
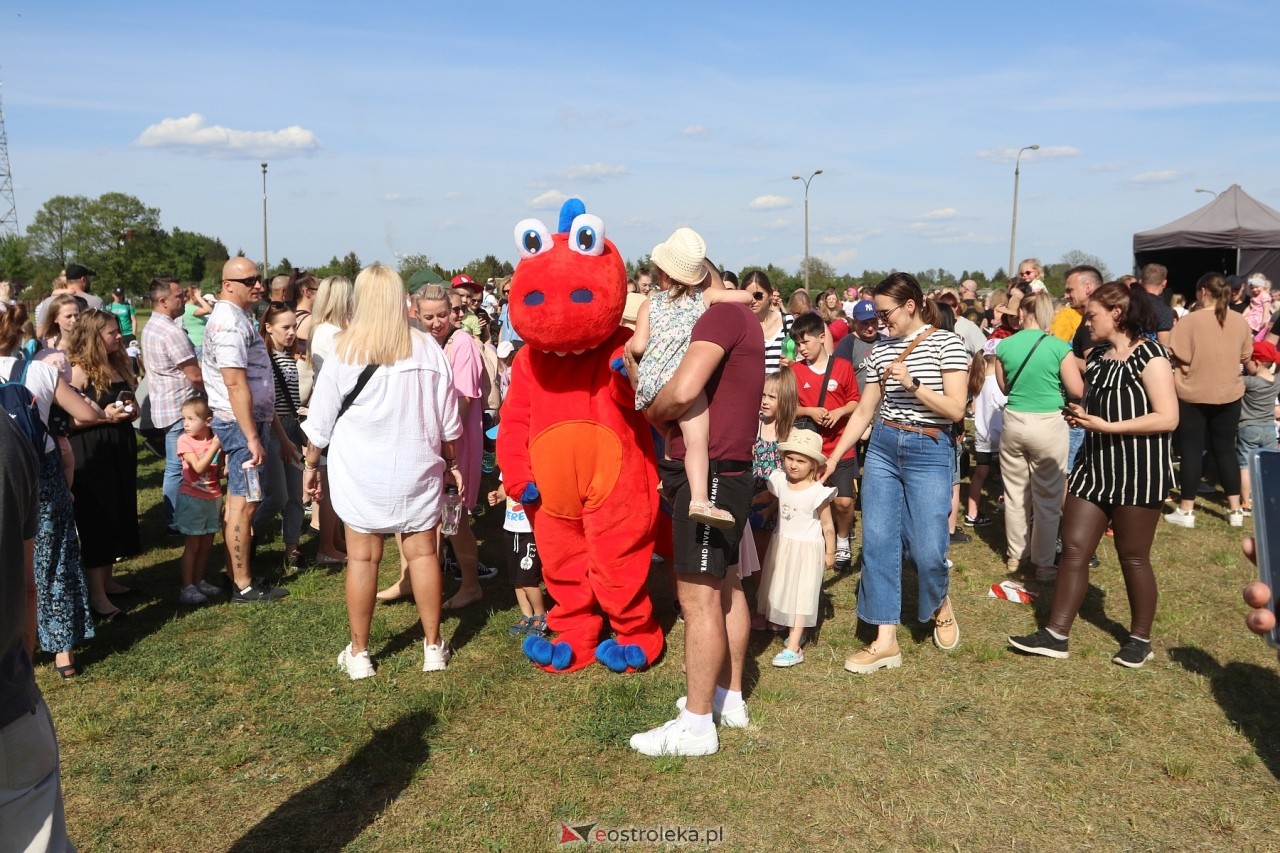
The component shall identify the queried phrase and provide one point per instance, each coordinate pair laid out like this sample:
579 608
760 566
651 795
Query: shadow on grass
1248 694
331 813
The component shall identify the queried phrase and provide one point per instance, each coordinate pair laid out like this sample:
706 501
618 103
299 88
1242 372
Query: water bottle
252 482
789 349
451 514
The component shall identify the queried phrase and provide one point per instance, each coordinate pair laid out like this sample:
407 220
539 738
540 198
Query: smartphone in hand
1264 479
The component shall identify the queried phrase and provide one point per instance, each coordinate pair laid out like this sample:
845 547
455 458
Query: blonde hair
783 385
1038 306
379 331
432 293
333 302
86 350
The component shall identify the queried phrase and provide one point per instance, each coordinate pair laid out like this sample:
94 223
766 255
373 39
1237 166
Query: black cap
75 271
119 291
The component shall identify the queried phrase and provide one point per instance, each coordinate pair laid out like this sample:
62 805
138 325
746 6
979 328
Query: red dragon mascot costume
575 452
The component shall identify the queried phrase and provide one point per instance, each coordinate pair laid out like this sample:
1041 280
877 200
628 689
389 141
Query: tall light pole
806 222
1013 235
1211 192
265 267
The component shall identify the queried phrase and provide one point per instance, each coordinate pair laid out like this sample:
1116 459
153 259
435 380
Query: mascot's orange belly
576 465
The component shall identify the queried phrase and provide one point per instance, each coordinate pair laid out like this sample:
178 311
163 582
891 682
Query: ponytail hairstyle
274 310
1137 316
903 286
946 317
1218 289
13 319
977 374
1039 306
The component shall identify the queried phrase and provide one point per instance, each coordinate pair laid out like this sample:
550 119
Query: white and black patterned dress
1125 470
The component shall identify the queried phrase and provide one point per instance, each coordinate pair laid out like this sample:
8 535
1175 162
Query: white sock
1055 634
842 542
727 700
1140 639
697 724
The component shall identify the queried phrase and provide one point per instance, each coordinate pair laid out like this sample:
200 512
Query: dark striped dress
1126 470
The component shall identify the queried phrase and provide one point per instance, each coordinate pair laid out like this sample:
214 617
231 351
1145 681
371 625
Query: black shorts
524 566
844 475
986 457
700 549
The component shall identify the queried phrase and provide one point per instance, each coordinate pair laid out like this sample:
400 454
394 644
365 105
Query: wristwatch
915 383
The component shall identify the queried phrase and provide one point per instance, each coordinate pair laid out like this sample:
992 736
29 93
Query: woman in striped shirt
920 388
774 323
282 465
1124 471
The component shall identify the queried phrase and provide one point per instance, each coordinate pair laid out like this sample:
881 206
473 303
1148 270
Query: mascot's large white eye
532 237
586 235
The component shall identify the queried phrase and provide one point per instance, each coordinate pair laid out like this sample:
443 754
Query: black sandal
67 671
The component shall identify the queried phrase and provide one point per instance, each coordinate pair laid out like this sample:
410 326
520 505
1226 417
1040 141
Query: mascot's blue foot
620 658
543 652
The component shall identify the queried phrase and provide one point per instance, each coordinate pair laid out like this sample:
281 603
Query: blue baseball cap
865 310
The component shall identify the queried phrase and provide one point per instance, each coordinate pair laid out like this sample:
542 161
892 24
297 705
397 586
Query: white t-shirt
41 381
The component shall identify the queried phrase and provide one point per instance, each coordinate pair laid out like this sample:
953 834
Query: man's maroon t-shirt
735 388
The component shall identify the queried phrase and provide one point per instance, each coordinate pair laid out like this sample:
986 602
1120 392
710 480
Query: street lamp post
806 222
1210 192
265 267
1013 234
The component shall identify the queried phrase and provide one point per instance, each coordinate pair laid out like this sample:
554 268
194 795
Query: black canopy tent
1232 234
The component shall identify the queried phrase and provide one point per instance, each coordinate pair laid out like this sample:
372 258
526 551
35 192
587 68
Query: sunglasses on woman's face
757 295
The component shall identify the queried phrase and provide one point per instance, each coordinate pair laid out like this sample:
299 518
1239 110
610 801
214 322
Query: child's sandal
520 628
538 626
710 515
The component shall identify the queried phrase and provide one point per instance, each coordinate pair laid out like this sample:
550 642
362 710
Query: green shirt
193 324
1039 385
124 313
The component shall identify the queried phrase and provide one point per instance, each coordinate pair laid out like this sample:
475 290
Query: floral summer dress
670 325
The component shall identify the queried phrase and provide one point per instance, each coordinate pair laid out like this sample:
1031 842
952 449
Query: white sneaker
435 658
674 738
1182 518
357 664
735 719
1235 518
191 595
207 588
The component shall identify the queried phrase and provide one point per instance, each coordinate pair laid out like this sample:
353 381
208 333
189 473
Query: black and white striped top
773 347
288 366
1129 470
939 352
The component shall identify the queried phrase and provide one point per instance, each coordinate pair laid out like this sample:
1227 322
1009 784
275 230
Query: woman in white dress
390 431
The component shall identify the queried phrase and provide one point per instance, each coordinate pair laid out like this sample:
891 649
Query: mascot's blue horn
568 212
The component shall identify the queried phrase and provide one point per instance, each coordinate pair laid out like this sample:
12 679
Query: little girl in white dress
804 544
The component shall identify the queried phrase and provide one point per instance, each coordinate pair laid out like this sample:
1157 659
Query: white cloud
193 135
1009 154
841 258
549 200
845 239
593 171
779 224
769 202
940 213
696 130
1144 179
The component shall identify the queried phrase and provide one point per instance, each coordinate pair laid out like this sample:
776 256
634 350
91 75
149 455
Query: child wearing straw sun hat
663 327
804 546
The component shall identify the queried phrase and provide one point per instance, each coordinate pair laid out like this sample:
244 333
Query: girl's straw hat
806 442
681 256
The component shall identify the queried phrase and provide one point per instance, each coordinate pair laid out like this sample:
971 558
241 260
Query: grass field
231 729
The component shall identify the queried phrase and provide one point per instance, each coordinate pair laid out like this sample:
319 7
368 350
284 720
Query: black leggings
1219 423
1083 524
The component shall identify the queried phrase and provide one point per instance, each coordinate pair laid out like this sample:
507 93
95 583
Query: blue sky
421 127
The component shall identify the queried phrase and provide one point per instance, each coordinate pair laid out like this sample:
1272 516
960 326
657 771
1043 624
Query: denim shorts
235 449
197 516
1253 437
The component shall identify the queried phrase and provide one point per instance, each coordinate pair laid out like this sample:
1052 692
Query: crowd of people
372 406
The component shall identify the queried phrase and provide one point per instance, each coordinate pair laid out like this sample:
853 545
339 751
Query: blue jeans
172 470
906 498
1075 440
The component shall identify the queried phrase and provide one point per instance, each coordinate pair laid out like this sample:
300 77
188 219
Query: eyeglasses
1031 273
251 281
883 316
280 306
757 295
459 309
